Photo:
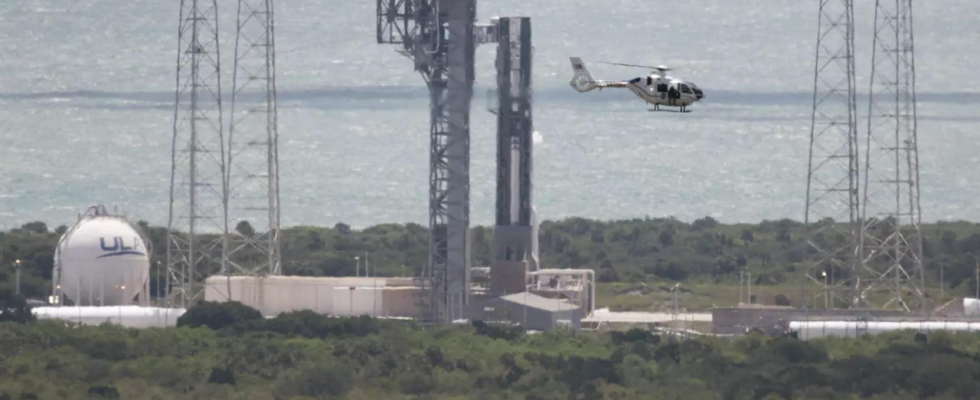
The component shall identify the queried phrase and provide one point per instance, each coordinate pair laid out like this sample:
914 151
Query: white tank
102 261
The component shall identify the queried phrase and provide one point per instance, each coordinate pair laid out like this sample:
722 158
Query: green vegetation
638 261
303 356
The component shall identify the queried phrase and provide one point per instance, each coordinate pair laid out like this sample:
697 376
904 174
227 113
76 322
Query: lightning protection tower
198 206
438 36
891 241
832 202
253 246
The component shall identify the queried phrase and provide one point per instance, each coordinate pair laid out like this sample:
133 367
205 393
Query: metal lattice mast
198 204
832 207
253 153
891 240
438 36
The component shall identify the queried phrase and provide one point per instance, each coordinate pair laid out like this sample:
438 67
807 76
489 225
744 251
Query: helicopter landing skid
682 110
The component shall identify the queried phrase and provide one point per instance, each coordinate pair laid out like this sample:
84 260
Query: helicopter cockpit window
697 91
685 89
649 81
662 87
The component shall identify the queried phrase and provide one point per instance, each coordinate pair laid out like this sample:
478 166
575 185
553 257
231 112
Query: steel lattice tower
891 241
198 205
438 36
832 207
253 154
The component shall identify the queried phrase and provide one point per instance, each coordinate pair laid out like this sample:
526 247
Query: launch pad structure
437 35
514 251
440 37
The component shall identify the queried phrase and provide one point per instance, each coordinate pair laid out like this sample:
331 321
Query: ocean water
86 92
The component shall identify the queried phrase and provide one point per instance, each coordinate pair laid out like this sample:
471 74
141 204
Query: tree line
636 250
228 351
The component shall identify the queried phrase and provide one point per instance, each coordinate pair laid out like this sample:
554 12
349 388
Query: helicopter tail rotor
582 81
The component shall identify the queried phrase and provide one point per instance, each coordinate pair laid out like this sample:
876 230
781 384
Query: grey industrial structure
514 235
438 36
529 310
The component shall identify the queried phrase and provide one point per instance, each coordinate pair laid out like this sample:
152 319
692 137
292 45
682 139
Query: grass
657 295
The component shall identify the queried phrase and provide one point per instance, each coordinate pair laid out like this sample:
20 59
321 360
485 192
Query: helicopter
657 88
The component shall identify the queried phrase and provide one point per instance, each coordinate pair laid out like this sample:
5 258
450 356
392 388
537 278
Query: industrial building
528 310
339 296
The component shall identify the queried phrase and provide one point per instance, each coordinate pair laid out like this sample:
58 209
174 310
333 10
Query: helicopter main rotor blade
629 65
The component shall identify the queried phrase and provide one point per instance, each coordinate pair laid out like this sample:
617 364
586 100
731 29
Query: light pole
826 300
17 275
357 261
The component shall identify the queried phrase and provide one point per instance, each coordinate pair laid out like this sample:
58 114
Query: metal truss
832 205
253 247
198 207
438 37
891 240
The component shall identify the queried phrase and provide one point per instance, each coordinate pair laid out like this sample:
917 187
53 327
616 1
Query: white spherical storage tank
102 261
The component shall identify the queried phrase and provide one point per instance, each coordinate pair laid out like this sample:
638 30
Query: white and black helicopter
656 88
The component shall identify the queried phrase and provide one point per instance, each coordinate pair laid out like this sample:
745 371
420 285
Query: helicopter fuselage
665 91
657 88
